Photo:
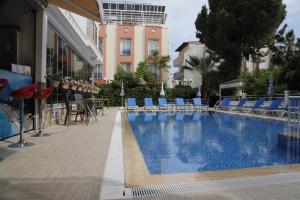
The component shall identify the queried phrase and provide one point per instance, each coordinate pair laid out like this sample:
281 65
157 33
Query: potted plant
55 79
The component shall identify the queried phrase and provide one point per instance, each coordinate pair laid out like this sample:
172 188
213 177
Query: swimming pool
182 142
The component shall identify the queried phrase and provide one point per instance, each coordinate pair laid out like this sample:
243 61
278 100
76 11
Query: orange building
130 34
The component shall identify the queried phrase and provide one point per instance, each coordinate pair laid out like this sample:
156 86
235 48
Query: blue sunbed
131 103
273 107
294 107
198 104
180 103
162 103
225 103
148 103
240 105
256 106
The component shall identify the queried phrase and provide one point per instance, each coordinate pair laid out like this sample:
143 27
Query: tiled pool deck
66 165
70 164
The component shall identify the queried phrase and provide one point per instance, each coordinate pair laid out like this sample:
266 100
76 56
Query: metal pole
21 121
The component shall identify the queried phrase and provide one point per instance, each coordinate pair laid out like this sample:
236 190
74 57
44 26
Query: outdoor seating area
69 100
163 104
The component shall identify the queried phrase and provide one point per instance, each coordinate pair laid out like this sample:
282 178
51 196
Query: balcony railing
80 32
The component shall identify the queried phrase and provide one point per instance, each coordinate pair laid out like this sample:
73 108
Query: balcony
178 76
84 36
179 61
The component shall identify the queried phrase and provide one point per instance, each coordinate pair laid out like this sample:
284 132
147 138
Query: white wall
81 21
197 50
111 49
139 45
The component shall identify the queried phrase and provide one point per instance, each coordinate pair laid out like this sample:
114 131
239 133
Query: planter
55 83
74 87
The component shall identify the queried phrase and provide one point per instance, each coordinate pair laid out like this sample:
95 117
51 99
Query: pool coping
137 174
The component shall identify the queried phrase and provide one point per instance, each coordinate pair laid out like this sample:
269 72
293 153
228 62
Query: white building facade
185 76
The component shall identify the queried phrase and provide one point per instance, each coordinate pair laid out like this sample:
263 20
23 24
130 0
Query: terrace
85 162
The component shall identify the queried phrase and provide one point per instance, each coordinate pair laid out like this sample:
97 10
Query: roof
133 12
184 44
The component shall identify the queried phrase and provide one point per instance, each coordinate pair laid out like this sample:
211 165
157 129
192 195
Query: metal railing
80 32
294 110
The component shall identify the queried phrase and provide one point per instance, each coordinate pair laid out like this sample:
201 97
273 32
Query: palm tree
204 66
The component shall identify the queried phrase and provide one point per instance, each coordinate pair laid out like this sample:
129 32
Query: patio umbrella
270 88
122 93
199 92
162 91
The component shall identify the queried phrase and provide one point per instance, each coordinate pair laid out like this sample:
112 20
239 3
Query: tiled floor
66 165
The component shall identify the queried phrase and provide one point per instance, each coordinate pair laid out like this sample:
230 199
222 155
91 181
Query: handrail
294 110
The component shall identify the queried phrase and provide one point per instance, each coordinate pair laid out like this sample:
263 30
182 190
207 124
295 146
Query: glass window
126 66
153 68
62 58
152 46
125 47
98 71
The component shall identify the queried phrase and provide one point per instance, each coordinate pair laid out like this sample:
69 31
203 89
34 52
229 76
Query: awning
91 9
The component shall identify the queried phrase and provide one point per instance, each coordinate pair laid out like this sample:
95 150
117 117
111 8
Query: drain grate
176 190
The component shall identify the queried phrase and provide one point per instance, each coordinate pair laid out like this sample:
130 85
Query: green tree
126 77
161 62
204 66
286 56
237 28
143 73
283 46
257 82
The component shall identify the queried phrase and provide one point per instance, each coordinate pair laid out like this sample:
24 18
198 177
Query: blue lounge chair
239 105
273 107
131 103
162 103
256 106
294 107
198 104
148 104
224 104
180 104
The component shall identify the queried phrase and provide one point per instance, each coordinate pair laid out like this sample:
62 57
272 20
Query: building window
152 47
98 71
126 66
153 69
63 59
125 47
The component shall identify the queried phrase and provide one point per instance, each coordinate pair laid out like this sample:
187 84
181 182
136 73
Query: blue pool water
197 142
